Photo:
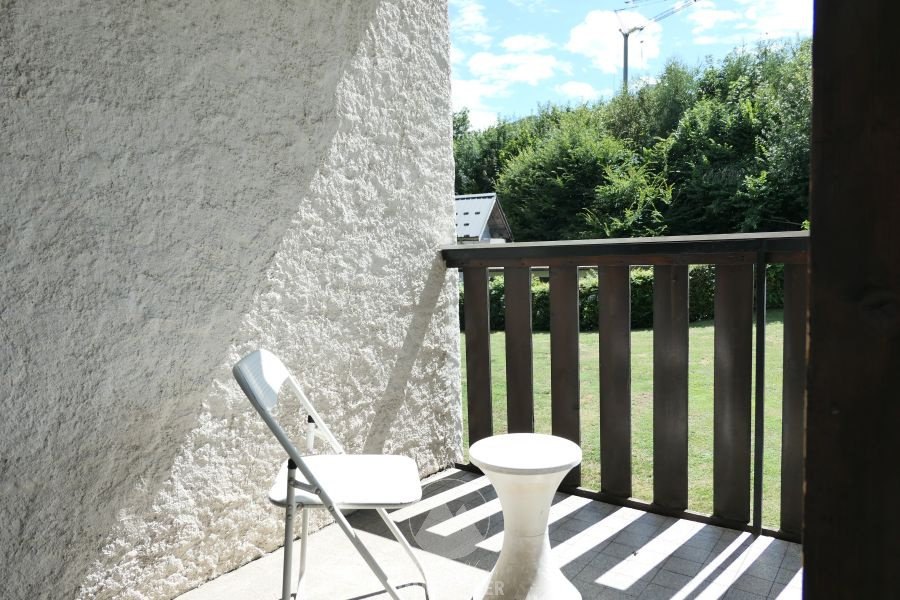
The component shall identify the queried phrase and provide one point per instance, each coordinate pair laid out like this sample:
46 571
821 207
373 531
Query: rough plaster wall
181 183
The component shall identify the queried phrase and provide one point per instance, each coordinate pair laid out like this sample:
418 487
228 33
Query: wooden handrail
736 248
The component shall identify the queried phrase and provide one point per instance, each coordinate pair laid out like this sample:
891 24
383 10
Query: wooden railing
740 262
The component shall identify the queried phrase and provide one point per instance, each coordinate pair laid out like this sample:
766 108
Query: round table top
525 453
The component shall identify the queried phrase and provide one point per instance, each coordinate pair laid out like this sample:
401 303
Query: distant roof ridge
482 195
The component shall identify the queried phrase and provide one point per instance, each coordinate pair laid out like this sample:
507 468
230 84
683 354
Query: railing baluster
670 386
519 378
564 376
614 320
794 384
732 383
478 353
759 417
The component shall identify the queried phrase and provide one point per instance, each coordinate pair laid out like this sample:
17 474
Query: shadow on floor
606 551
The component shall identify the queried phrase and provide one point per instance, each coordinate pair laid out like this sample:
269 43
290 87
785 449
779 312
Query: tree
627 204
545 189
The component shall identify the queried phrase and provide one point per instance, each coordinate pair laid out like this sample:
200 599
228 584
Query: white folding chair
335 481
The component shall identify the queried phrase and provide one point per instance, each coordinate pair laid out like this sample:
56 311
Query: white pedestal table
525 469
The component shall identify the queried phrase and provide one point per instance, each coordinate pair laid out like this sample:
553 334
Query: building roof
476 211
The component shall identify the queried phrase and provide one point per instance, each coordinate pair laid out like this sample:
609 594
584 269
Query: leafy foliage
723 148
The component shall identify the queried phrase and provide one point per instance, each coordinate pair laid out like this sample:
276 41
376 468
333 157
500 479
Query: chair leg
405 544
364 552
288 534
304 539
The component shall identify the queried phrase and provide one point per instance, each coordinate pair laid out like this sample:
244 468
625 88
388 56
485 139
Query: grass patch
700 409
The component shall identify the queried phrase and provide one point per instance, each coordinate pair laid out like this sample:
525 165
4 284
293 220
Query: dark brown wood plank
519 377
670 387
564 376
478 353
732 383
658 250
793 389
609 260
626 260
614 320
851 518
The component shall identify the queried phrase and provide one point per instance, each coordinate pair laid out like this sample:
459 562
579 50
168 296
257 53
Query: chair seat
355 481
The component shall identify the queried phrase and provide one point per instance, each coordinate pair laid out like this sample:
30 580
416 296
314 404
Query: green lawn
700 409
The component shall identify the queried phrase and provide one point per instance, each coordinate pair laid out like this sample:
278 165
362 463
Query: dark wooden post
670 386
852 505
731 397
565 386
478 353
793 389
519 376
614 320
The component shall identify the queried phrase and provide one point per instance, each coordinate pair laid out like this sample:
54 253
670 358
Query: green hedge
702 282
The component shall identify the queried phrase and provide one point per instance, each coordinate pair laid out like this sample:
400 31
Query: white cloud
494 75
514 67
581 91
482 119
764 20
456 55
470 23
481 39
598 37
529 5
704 15
706 40
781 18
469 16
526 43
472 94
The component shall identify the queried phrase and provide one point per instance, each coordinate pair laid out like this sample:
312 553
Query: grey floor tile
619 550
705 539
670 580
655 591
736 594
792 562
572 570
631 538
597 567
755 585
723 545
692 553
605 593
643 528
683 566
785 575
763 570
729 535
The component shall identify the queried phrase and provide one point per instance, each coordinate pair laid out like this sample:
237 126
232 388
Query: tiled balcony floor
606 551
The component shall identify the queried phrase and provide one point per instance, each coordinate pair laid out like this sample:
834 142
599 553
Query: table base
525 571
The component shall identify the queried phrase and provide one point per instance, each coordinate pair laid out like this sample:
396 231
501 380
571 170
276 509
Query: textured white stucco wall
181 183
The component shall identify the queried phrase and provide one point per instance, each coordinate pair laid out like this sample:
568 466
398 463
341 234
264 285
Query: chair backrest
261 376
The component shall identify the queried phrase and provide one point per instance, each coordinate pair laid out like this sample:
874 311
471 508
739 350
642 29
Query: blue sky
510 55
